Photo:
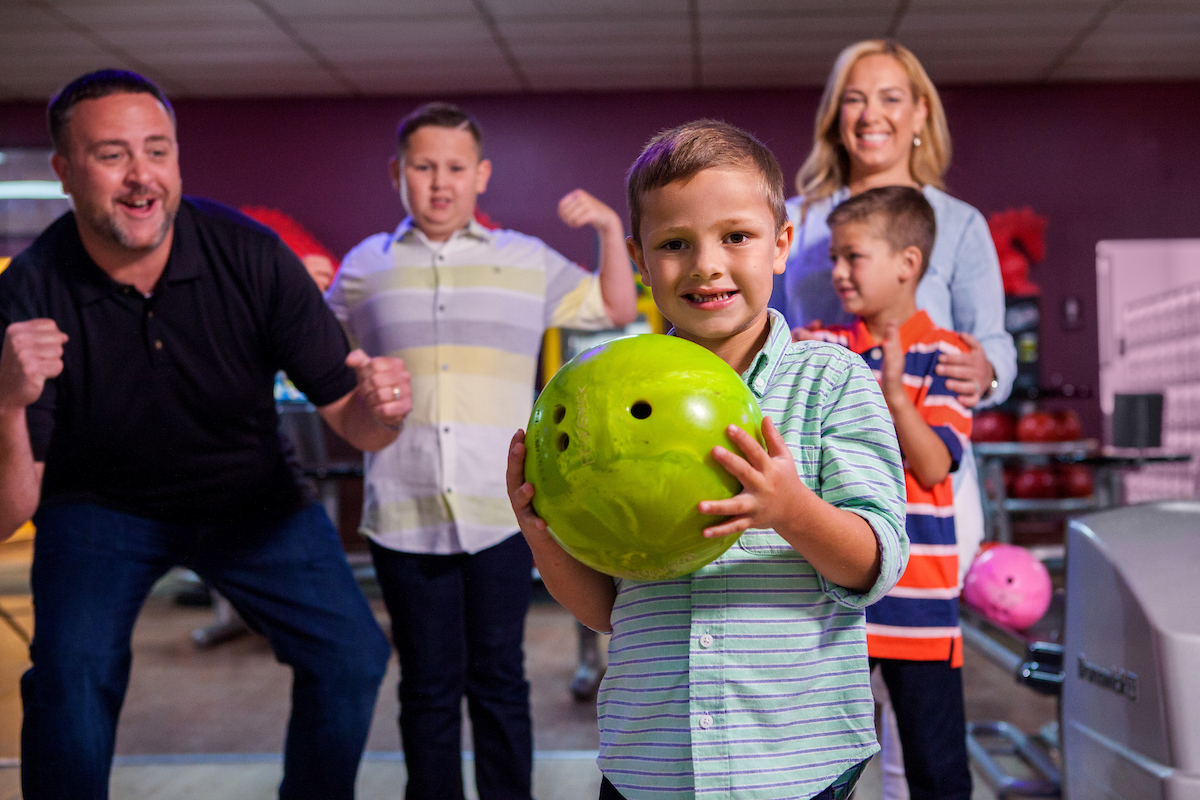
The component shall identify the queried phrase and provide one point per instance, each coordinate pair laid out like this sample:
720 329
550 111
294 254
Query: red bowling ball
993 426
1035 483
1037 426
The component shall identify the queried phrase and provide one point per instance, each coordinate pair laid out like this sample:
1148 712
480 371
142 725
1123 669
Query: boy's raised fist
32 353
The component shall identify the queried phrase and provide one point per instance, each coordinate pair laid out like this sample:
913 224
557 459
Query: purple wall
1100 161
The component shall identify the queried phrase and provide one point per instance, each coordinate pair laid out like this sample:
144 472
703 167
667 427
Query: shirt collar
915 329
407 231
183 264
761 371
759 374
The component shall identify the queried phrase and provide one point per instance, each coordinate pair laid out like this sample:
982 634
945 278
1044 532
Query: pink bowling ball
1008 586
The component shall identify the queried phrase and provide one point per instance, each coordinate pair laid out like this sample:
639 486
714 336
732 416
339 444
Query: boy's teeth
701 298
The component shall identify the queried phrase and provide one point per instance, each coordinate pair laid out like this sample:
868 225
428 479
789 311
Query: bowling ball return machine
1122 651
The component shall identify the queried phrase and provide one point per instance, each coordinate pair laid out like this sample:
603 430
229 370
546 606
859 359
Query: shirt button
158 345
706 722
445 367
876 353
441 308
448 490
446 429
706 641
150 315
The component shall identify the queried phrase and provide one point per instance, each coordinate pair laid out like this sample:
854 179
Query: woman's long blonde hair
827 167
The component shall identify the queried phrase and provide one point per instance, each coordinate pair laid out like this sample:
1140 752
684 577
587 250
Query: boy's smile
871 279
709 251
439 176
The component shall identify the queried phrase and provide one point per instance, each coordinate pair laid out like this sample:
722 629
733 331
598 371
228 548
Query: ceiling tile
264 80
233 47
34 46
135 17
754 39
541 9
475 76
1006 6
351 9
611 39
790 8
350 41
968 26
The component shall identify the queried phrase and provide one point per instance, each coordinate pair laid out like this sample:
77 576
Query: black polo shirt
165 405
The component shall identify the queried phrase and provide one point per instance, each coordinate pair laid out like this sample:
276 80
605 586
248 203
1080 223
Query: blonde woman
880 123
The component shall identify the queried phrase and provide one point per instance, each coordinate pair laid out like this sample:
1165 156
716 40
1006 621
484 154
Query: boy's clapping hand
770 483
891 369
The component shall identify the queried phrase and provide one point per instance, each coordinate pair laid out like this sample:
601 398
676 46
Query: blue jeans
459 622
928 699
92 571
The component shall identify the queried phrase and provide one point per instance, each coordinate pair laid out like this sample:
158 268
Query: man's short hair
93 86
901 215
438 115
680 153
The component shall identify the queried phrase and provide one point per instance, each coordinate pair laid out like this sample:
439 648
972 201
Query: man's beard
107 226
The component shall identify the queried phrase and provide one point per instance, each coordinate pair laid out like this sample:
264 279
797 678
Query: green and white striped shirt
749 677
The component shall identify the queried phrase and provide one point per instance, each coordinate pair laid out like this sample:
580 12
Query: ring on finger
396 392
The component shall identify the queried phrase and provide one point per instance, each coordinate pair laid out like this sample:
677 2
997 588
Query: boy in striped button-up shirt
749 677
881 240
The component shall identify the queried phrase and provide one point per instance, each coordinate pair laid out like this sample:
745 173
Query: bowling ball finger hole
560 413
640 410
563 441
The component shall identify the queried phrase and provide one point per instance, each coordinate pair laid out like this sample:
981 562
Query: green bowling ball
619 452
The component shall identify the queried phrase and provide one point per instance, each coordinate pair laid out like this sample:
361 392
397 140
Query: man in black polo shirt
142 335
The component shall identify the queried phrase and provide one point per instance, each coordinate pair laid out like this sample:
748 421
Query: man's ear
482 175
634 248
62 168
394 172
783 246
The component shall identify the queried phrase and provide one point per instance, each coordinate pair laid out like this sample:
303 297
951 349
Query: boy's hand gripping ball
619 452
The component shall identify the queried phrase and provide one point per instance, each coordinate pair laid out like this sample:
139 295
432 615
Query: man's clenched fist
32 353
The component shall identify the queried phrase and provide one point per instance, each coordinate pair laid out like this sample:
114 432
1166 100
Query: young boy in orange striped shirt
881 240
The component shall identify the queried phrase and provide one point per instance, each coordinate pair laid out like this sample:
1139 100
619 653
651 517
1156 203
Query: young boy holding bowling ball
748 677
881 240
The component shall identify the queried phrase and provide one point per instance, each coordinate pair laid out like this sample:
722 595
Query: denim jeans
458 622
92 570
928 699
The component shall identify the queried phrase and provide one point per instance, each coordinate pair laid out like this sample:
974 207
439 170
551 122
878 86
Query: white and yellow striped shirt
467 316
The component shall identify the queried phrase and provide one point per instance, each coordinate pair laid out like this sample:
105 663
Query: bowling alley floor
210 723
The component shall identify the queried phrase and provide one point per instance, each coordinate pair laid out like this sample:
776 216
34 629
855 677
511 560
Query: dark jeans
458 622
92 571
928 699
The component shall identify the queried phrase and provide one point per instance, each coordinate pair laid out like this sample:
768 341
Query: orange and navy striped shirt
918 619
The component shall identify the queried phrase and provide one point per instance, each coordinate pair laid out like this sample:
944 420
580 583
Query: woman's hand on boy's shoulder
771 486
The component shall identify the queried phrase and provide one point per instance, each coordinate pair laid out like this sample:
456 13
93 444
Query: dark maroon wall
1100 161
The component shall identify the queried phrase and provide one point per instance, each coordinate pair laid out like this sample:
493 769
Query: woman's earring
916 141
